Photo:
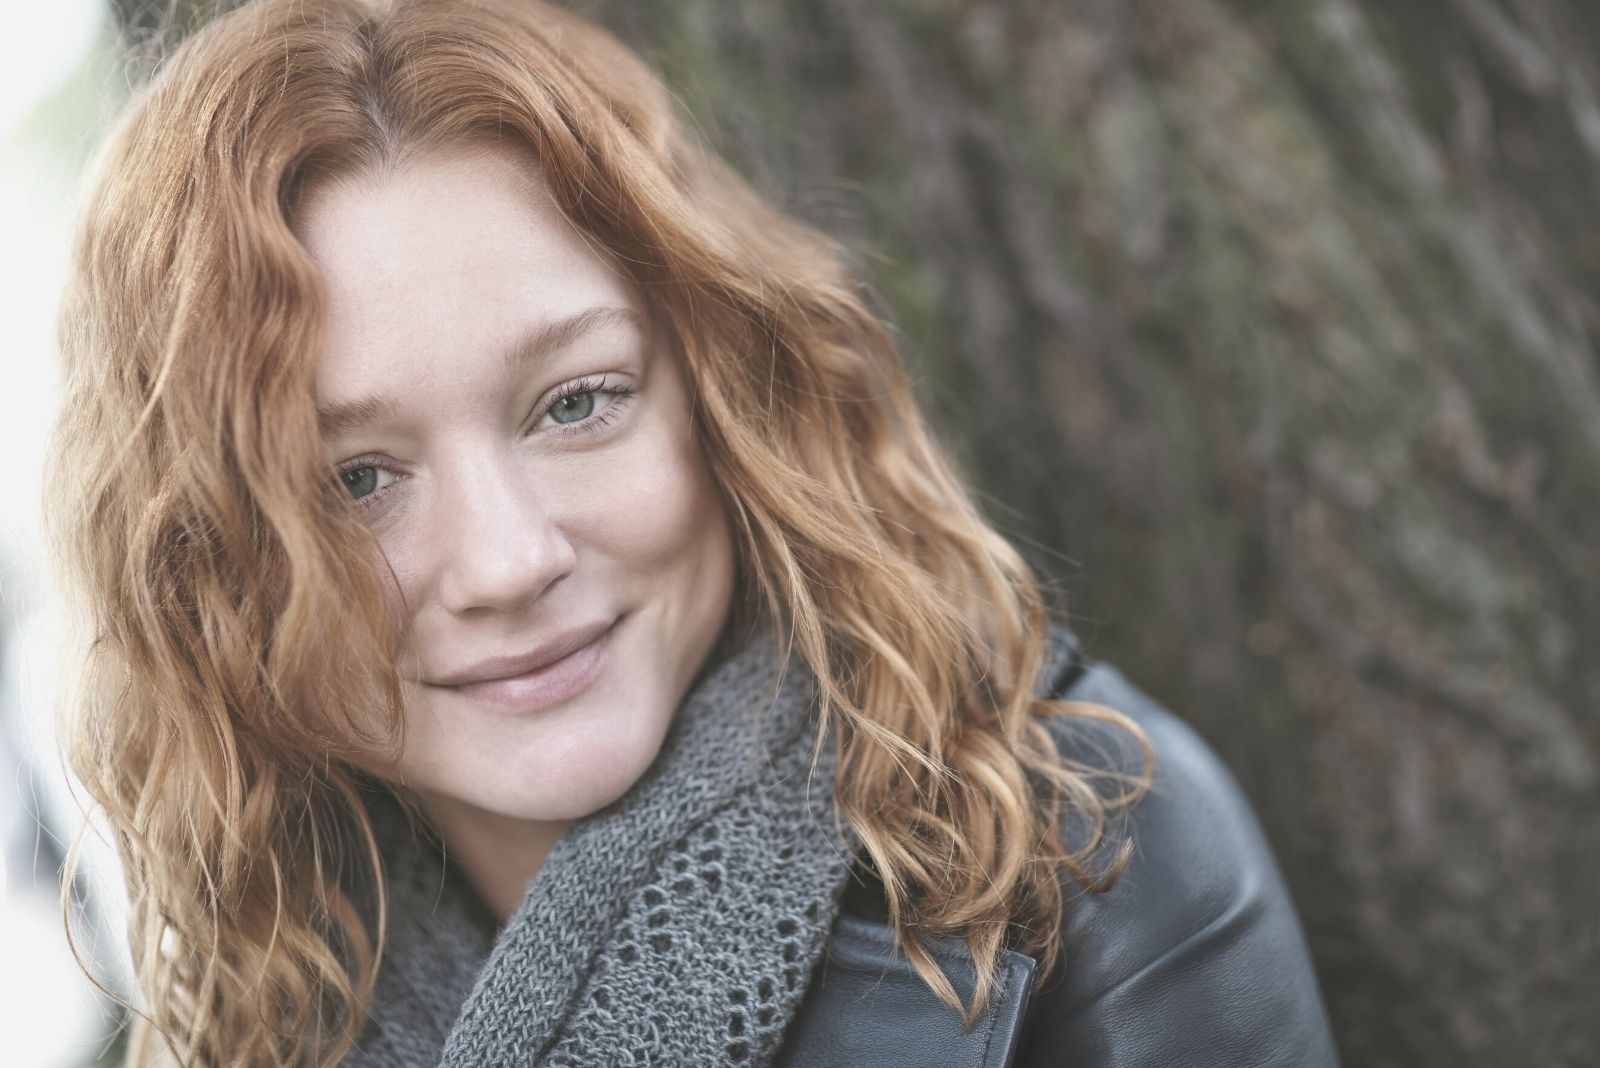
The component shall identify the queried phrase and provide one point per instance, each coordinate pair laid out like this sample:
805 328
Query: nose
501 547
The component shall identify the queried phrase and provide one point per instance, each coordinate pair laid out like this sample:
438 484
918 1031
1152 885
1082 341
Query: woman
532 624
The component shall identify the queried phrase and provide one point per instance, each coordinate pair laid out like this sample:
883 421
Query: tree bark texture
1268 328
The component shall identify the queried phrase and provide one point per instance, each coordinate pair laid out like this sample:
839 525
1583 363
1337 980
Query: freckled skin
501 530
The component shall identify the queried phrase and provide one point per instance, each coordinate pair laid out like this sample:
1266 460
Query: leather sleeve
1195 958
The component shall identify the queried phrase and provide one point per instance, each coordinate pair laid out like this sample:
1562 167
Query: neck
498 854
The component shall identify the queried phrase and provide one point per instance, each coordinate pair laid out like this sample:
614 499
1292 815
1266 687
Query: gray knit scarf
679 925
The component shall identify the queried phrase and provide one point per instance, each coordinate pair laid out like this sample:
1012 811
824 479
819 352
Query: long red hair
239 668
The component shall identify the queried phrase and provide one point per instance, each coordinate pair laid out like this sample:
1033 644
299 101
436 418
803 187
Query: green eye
363 481
577 406
360 481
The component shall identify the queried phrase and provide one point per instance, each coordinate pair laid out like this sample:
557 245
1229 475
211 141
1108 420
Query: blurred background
58 87
1268 329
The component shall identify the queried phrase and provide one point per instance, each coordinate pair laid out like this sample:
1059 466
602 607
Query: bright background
56 94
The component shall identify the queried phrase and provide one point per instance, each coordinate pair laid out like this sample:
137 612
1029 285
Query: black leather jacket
1194 959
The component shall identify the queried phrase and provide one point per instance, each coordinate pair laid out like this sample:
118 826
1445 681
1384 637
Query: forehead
455 248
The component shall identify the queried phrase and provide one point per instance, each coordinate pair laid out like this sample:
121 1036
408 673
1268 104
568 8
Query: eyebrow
533 345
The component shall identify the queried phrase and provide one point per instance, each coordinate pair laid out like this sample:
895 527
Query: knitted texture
678 926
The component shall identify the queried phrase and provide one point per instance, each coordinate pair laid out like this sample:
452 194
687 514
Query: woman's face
522 445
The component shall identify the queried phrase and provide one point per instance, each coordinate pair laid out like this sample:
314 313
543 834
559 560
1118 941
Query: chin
581 777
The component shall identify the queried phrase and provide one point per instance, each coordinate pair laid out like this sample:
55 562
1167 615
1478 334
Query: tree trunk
1268 329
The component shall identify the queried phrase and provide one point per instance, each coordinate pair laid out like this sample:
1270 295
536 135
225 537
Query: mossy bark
1269 328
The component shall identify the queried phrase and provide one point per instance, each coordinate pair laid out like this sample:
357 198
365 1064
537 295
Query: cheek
396 568
667 518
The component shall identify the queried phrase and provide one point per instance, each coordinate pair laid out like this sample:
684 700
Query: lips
551 672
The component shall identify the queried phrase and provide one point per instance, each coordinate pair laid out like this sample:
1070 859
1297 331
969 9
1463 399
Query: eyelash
577 387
